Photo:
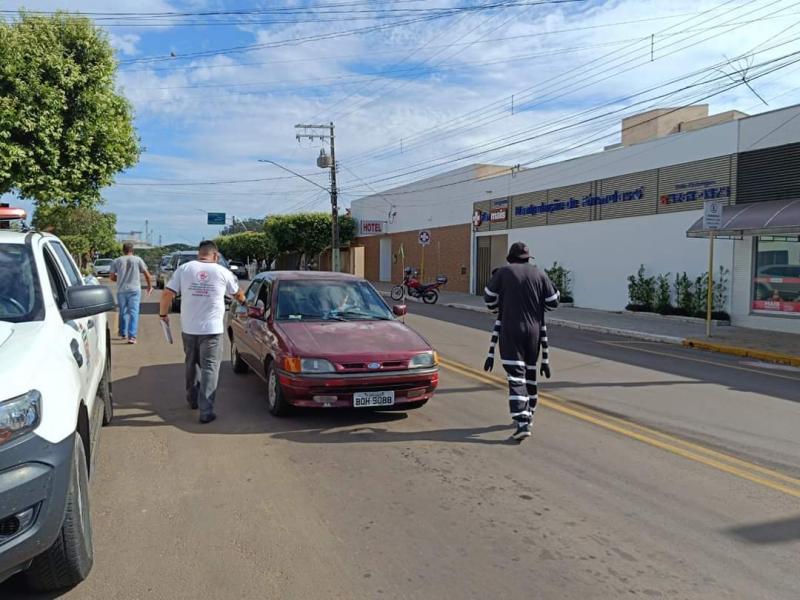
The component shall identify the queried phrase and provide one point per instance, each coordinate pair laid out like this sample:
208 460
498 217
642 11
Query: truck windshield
20 294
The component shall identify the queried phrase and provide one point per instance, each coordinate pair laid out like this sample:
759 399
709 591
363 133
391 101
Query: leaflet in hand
167 331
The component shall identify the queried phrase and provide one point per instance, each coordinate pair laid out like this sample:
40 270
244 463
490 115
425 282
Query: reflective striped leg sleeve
531 387
489 364
545 346
517 390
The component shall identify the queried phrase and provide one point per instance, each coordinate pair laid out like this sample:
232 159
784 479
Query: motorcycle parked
416 289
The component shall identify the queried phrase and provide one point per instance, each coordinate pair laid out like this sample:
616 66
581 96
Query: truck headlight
426 359
316 365
20 415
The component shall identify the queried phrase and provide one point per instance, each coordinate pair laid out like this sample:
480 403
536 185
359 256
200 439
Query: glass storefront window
776 277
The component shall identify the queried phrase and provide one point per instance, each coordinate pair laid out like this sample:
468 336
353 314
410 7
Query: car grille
388 365
386 387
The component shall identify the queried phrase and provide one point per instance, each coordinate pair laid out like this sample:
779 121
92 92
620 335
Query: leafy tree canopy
84 230
243 225
307 233
248 245
64 131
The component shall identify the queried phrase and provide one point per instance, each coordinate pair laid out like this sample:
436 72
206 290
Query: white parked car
102 267
55 395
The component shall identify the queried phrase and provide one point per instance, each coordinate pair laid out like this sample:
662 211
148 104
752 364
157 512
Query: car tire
68 561
238 365
276 402
430 297
104 390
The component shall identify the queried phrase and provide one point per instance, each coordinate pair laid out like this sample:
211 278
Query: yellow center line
629 346
702 455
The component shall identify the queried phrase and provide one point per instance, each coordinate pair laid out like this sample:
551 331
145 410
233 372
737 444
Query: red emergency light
9 213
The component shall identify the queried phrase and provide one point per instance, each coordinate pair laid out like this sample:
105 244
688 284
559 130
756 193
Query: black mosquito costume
521 293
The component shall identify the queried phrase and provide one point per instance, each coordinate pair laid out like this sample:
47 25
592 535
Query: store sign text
499 214
708 193
588 200
372 227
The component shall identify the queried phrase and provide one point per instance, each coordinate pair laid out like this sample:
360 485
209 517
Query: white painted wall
601 254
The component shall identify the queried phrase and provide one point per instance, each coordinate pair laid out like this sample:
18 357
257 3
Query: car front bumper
34 474
408 386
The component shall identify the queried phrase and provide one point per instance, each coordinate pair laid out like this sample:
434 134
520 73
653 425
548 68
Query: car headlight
20 415
316 365
426 359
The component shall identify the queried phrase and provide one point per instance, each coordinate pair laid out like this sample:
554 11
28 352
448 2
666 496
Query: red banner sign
777 306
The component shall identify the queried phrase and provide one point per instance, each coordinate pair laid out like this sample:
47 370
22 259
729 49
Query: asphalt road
654 472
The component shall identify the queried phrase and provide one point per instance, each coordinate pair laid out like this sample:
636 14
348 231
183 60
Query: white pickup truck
55 392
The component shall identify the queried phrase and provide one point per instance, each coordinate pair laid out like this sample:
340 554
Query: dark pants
203 357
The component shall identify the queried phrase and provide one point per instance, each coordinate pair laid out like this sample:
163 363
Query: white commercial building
603 215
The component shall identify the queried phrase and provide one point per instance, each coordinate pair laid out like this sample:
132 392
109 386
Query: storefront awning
778 217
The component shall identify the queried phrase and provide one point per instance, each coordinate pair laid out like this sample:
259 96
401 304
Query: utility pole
325 162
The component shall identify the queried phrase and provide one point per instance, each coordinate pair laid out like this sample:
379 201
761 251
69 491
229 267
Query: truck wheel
68 561
104 391
275 400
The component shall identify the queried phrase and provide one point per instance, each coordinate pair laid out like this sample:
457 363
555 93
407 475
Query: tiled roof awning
778 217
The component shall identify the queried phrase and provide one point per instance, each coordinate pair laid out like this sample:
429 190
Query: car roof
308 275
184 252
9 236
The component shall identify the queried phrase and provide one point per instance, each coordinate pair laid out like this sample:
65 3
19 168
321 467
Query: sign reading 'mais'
588 200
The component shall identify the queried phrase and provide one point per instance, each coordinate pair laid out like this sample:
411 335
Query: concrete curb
765 355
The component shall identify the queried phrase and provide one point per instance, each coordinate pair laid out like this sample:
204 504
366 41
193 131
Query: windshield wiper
357 313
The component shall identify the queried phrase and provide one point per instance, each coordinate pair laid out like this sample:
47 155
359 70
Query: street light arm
272 162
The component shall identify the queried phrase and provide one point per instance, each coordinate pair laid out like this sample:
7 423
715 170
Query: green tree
307 233
242 225
84 230
256 245
64 131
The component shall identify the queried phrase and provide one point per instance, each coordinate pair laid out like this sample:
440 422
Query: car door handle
90 325
76 352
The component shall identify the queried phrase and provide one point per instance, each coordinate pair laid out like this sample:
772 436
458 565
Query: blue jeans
129 313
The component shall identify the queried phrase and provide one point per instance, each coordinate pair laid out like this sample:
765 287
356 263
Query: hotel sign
372 227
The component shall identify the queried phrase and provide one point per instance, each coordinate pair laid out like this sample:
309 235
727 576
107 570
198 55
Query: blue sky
403 98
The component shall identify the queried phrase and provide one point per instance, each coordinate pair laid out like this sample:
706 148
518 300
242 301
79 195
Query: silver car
102 267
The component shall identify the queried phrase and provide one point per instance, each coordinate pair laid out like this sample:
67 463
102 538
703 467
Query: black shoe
211 416
192 404
523 431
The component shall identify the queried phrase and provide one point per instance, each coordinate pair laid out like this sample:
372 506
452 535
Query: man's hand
164 318
544 369
489 364
149 291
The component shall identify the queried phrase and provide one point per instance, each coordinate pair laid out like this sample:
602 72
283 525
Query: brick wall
448 254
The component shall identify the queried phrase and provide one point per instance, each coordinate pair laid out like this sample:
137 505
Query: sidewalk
761 345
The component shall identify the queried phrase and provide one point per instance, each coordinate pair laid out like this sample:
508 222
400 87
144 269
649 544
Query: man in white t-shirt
203 285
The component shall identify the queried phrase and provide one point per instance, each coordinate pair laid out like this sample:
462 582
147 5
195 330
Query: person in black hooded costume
520 293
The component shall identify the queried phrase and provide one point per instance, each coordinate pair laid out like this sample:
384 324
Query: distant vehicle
161 276
238 268
323 339
55 368
416 289
102 267
176 260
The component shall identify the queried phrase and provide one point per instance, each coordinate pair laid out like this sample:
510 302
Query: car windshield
20 295
184 258
336 300
102 262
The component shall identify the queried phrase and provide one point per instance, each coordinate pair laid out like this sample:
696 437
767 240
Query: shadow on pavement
780 531
362 435
16 589
155 398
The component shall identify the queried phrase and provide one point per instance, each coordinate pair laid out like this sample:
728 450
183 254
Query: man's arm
167 296
112 271
491 293
147 277
551 294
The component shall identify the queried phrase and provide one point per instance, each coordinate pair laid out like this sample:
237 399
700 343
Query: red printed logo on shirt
202 276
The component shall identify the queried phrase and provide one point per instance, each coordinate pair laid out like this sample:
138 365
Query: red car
329 340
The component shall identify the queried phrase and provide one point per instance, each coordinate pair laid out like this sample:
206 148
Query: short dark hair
207 247
127 247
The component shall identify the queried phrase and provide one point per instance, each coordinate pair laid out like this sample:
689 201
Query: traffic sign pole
710 292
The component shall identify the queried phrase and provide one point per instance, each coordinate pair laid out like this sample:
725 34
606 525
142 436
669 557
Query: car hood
20 355
343 341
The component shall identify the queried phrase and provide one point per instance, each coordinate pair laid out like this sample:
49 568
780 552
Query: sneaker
122 338
192 404
523 431
132 340
210 417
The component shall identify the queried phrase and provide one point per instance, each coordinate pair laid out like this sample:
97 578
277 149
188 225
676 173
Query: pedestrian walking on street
127 271
202 285
520 293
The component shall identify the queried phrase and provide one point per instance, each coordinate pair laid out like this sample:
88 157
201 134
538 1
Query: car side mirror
400 310
255 312
87 300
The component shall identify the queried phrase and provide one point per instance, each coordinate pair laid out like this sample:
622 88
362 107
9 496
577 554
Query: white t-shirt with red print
202 287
